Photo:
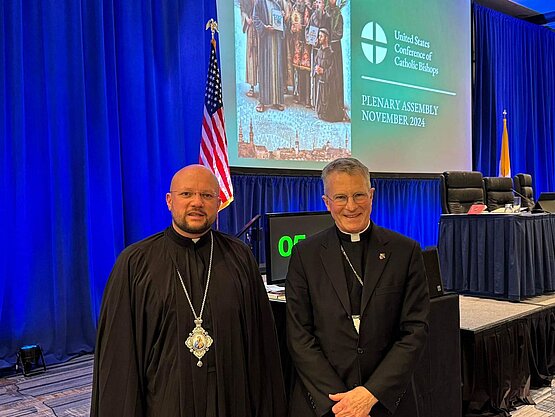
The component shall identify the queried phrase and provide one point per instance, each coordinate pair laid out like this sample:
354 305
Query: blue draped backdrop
102 101
407 205
515 71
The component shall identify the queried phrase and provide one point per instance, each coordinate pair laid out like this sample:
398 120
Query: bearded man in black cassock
185 327
329 105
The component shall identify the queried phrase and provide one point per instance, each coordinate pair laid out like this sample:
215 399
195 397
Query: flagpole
504 159
213 152
213 26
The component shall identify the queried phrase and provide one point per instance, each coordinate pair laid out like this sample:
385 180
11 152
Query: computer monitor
546 203
282 232
433 272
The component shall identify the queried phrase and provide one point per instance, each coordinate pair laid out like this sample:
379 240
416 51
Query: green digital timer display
286 243
282 232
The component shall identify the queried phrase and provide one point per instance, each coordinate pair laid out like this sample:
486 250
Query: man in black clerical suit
185 327
357 308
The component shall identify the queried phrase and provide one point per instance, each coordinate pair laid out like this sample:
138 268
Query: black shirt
356 251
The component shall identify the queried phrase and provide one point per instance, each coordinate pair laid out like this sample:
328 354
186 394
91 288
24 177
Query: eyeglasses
343 199
188 195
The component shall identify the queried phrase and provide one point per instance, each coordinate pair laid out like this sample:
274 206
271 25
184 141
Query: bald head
193 200
190 173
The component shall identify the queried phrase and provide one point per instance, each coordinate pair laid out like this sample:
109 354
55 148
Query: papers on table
275 292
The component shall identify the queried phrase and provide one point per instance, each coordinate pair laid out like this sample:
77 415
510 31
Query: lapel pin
382 256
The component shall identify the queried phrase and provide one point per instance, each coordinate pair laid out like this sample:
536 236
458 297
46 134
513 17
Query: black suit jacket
328 354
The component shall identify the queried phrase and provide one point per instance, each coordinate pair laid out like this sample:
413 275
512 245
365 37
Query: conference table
507 256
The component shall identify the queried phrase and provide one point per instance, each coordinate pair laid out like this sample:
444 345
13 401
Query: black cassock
142 366
329 88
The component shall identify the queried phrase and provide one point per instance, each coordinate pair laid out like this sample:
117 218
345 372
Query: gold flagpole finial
504 111
213 26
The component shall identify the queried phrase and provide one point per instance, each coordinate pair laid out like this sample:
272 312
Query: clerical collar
186 241
354 237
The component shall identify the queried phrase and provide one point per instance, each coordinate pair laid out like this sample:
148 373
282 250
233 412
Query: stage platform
507 349
479 314
546 300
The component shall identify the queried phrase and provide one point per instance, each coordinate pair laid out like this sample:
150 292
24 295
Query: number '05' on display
286 243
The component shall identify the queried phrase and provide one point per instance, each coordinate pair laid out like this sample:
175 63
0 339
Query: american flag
213 146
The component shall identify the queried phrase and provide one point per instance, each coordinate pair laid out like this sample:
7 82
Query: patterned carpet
545 404
63 390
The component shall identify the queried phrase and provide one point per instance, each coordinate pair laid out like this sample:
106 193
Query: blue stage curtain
515 63
261 194
101 101
409 206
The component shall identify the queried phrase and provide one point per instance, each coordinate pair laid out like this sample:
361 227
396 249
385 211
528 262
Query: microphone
529 201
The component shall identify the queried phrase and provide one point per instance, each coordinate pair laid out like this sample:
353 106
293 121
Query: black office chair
499 191
523 185
460 190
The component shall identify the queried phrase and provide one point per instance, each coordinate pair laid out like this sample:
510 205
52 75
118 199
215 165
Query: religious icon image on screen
286 110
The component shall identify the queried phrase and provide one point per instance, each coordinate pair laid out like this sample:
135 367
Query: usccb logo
374 43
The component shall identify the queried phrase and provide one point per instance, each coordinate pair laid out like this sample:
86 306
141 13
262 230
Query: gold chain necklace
199 341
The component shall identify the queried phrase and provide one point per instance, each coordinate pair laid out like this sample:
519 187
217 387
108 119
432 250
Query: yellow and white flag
505 160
